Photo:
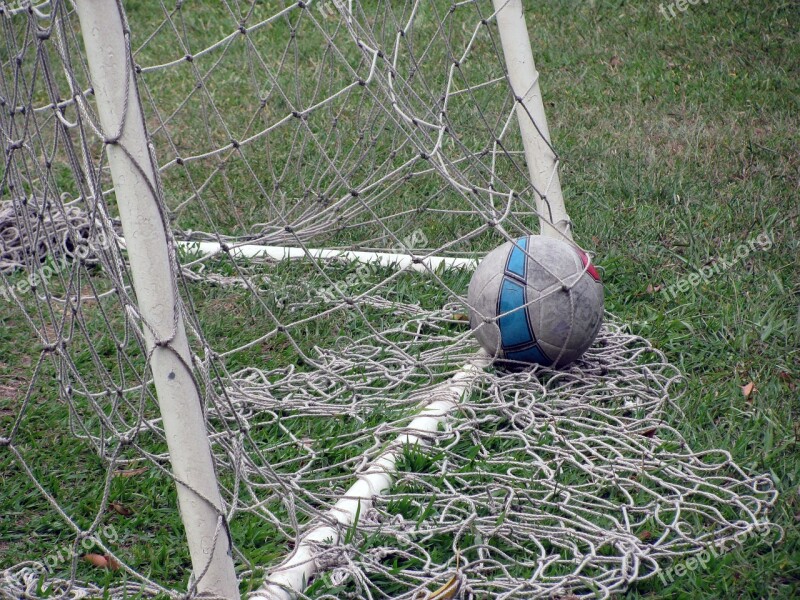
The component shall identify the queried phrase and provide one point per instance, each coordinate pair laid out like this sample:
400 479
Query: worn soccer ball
536 300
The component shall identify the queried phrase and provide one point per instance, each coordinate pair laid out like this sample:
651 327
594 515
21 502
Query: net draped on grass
384 126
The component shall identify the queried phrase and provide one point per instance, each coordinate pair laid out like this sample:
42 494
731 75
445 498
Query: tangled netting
541 483
387 126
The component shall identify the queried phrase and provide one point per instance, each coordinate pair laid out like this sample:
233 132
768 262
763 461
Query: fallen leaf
445 592
97 560
113 563
130 472
615 62
105 561
649 432
448 590
645 535
120 509
461 317
653 289
748 390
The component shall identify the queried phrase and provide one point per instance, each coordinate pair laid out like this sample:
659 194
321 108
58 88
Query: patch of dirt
9 392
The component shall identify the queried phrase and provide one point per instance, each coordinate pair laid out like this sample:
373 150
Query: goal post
540 156
152 263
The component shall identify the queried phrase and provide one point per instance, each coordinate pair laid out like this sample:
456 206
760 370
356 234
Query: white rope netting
375 126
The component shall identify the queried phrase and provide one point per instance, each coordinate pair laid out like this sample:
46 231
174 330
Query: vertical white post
134 175
542 161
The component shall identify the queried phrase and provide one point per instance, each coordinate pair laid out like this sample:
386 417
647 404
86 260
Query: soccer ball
536 300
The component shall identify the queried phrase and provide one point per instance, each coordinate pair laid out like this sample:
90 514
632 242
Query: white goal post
152 261
540 155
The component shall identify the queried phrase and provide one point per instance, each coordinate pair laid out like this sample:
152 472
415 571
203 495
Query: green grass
679 142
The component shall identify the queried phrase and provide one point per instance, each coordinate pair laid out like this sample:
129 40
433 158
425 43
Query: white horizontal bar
384 259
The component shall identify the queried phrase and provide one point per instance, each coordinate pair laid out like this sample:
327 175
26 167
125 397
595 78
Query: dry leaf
748 390
448 590
645 535
97 560
652 289
103 561
130 472
615 62
649 432
461 317
445 592
120 509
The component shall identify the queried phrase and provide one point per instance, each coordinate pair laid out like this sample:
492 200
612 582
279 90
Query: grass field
679 141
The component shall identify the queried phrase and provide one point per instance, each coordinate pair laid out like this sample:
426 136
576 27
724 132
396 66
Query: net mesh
373 126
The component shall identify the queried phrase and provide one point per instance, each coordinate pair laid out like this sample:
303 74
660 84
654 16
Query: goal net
322 177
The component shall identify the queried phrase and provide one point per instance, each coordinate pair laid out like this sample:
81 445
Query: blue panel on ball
514 327
532 354
516 258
